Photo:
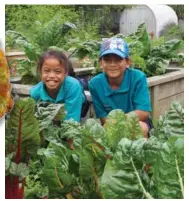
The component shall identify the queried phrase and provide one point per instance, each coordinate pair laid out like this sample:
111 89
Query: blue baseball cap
114 46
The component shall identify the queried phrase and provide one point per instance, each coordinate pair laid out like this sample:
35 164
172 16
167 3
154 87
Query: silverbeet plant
115 161
152 59
21 142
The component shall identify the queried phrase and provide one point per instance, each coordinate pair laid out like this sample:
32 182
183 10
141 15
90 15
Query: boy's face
52 74
113 65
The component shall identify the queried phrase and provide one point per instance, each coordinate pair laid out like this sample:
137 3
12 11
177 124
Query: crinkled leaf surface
47 112
119 125
169 169
20 169
171 123
55 172
97 133
123 175
139 42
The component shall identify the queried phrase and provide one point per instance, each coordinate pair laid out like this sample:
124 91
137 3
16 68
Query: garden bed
163 89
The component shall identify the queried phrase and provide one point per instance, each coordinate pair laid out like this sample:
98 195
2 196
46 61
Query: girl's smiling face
52 74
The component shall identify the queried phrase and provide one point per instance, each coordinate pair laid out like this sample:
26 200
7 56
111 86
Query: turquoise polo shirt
70 93
133 93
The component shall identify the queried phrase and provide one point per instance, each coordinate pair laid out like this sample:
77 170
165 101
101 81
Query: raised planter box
163 89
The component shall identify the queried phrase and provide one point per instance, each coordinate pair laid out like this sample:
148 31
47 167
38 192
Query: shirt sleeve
97 103
73 103
34 94
141 99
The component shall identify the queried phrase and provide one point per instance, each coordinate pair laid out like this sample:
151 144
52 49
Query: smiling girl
56 86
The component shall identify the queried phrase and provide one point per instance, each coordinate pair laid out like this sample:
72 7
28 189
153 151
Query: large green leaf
171 123
68 133
119 125
86 168
167 50
71 130
47 112
169 169
95 151
53 33
156 66
24 128
139 42
138 62
12 168
115 127
55 172
151 149
32 51
175 119
124 177
97 132
17 37
143 37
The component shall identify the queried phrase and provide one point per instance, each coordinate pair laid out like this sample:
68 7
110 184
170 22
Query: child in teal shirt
120 87
56 86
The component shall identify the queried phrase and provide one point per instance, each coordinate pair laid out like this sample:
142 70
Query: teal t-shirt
70 93
133 93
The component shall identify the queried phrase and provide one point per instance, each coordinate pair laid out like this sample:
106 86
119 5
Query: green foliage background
22 17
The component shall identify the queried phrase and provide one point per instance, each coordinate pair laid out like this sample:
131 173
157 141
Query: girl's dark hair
71 69
61 57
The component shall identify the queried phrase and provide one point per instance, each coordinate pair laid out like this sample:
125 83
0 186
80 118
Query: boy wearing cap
120 87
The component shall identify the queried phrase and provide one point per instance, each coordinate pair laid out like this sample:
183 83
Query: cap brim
120 54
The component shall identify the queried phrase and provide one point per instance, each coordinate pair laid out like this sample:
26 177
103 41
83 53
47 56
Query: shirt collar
124 87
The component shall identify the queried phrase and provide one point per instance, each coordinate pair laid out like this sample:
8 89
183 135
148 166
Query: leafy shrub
171 31
53 35
90 161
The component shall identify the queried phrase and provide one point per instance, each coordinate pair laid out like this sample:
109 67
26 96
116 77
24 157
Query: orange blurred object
6 101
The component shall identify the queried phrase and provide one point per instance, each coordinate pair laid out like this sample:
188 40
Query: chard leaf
156 66
175 119
119 125
135 46
171 123
47 112
86 167
139 42
143 37
169 169
71 130
24 128
55 172
160 130
68 133
20 169
151 149
96 132
138 62
173 44
95 150
51 134
7 165
115 127
94 160
167 50
133 127
124 177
